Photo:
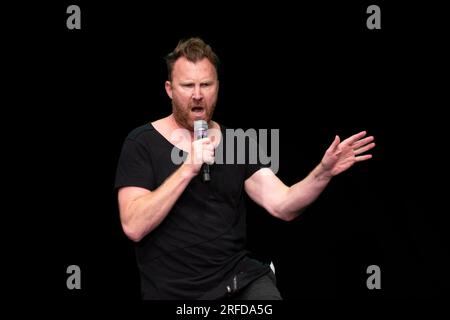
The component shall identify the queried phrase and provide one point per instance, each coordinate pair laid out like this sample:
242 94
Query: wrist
323 172
188 171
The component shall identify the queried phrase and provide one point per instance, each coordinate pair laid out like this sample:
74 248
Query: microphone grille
200 125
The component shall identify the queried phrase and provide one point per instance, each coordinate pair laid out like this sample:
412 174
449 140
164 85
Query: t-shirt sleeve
251 165
134 167
250 169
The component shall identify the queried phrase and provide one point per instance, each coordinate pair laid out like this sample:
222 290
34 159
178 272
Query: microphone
200 132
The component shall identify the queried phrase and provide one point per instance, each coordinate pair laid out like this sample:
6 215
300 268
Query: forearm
146 212
303 193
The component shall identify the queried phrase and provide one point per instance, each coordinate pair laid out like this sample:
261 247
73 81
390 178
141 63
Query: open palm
342 155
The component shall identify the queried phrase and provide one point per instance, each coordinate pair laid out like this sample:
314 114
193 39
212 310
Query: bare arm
142 210
281 201
287 202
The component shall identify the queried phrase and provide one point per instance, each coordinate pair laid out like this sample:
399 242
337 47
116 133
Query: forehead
183 68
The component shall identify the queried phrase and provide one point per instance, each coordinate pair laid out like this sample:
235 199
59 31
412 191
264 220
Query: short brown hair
193 49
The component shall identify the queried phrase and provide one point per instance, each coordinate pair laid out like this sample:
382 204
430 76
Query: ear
168 86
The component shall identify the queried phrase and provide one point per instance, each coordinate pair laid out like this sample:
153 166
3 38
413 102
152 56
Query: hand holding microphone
202 149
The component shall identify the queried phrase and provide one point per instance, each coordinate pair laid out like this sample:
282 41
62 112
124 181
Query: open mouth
197 109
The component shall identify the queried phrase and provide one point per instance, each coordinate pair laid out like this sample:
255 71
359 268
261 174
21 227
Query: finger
362 142
198 156
209 148
199 144
205 140
208 152
363 158
365 148
355 137
208 158
335 143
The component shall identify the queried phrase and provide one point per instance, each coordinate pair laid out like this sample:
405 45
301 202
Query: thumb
335 143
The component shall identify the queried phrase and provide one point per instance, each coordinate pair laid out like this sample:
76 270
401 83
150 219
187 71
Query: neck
176 125
173 123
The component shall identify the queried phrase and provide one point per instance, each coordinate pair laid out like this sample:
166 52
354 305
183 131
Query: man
190 234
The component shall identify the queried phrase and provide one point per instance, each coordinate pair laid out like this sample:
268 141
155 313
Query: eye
188 85
206 84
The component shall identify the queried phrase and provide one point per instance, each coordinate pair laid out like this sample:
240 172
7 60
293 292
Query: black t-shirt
198 250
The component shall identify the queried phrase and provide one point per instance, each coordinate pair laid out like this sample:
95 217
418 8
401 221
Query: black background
311 71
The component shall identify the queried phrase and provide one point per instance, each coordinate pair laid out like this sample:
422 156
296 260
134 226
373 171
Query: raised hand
342 155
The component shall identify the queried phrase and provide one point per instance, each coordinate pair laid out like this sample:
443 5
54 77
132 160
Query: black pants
263 288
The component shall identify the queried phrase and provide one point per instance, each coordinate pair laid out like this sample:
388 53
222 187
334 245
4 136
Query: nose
197 94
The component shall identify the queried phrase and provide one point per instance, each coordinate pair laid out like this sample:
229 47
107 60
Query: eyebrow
208 81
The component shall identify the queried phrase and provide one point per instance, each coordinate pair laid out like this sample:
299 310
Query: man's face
193 90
